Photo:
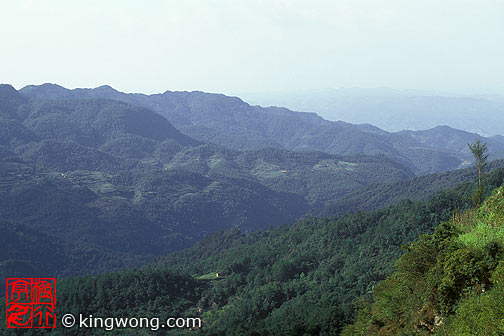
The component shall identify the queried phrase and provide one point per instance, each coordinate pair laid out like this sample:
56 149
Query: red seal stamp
30 303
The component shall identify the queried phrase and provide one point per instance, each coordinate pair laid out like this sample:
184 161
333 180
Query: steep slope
230 122
452 139
377 196
106 135
302 279
120 184
97 221
319 177
448 283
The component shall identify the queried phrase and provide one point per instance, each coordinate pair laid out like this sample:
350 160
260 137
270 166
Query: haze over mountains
394 110
114 185
165 170
95 180
230 122
371 210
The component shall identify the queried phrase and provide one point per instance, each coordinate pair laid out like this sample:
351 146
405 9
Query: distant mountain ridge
84 134
395 110
419 188
114 184
90 183
230 122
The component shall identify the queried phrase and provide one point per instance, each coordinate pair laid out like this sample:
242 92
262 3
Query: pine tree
478 150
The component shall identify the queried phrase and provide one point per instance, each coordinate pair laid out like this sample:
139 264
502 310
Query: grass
483 226
208 276
482 235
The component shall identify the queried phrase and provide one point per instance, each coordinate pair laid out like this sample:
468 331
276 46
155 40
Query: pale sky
251 45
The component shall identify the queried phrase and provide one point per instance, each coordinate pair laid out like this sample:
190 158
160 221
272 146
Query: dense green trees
305 279
448 283
419 188
148 292
315 270
112 185
232 123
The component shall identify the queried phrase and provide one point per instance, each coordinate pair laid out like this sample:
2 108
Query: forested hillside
316 176
448 283
294 280
144 192
377 196
230 122
113 185
94 185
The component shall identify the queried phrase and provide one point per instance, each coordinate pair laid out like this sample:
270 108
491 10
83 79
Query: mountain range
206 192
112 185
395 110
81 165
309 278
234 124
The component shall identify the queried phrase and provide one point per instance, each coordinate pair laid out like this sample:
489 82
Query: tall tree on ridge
478 150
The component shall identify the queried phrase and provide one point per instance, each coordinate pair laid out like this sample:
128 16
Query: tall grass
483 226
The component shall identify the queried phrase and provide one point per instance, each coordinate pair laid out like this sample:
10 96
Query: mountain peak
105 89
46 90
7 90
47 86
442 127
10 99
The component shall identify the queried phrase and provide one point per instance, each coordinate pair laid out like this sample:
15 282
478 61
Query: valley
238 205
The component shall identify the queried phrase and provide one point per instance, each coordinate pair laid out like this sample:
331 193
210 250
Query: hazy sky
251 45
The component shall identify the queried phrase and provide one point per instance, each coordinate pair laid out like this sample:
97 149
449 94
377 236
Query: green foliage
293 280
420 188
112 185
477 315
479 152
448 283
482 236
483 227
147 292
303 279
232 123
